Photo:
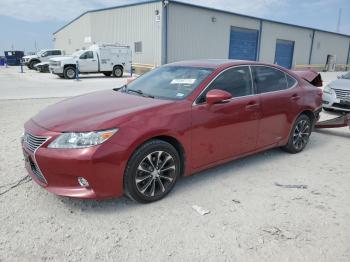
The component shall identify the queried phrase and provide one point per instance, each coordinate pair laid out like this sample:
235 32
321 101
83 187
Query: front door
88 62
225 130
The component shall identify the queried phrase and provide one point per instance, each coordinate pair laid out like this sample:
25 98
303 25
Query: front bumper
102 166
56 70
330 101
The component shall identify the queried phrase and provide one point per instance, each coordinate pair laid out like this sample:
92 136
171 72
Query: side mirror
217 96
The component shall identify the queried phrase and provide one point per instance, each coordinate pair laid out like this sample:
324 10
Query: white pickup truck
106 59
42 56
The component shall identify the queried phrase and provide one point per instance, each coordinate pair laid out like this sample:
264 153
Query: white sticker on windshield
180 94
183 81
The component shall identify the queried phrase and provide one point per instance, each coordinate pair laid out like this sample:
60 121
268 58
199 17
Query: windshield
169 82
40 52
347 76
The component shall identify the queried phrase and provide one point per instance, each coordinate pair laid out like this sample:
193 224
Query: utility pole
339 19
35 46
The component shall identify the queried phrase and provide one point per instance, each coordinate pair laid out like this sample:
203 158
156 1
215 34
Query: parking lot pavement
32 84
250 219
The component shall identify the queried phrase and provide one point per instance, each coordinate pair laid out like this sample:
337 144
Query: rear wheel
300 135
69 72
152 171
118 71
32 64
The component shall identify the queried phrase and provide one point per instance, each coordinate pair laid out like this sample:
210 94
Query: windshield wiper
139 92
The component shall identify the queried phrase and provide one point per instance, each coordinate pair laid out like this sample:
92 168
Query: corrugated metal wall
125 25
192 33
129 25
329 44
271 32
72 36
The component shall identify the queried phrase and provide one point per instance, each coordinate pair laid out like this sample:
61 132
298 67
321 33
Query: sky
28 24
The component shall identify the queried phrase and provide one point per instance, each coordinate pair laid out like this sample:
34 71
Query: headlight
82 140
328 90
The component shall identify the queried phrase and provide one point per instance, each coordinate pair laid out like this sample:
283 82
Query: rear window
268 79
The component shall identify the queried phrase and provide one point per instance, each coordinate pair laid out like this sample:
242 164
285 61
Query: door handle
295 97
252 106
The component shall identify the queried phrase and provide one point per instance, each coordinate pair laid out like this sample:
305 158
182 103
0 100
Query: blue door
284 53
243 43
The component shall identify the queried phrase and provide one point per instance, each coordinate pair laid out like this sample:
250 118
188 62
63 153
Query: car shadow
183 186
333 133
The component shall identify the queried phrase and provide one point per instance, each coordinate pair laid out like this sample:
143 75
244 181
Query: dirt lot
250 219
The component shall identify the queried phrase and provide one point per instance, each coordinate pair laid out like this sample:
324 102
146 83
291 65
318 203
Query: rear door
88 62
280 98
225 130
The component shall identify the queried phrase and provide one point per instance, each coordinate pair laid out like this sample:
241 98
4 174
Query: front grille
342 94
33 142
36 171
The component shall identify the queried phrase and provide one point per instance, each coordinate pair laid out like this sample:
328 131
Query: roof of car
211 63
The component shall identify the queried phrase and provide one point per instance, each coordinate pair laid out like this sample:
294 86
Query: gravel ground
250 219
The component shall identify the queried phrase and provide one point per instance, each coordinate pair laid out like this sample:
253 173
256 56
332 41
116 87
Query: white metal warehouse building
161 32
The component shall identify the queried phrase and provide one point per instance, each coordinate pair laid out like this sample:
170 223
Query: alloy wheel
155 174
301 134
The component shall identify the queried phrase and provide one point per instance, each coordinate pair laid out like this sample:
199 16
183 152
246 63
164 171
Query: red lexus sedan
174 121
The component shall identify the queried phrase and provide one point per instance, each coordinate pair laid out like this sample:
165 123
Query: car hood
61 58
343 84
94 111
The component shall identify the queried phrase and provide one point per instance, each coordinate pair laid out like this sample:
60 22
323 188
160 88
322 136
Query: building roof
202 7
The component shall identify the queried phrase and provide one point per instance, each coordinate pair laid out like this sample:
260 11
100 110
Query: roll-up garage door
243 43
284 53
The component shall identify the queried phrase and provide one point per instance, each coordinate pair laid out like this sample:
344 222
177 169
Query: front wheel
152 171
300 135
32 64
69 72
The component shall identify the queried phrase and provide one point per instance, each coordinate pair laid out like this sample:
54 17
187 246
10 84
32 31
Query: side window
268 79
56 52
87 55
236 81
291 81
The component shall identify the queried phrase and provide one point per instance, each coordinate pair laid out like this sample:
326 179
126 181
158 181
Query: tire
69 72
299 137
118 71
107 73
32 64
144 180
